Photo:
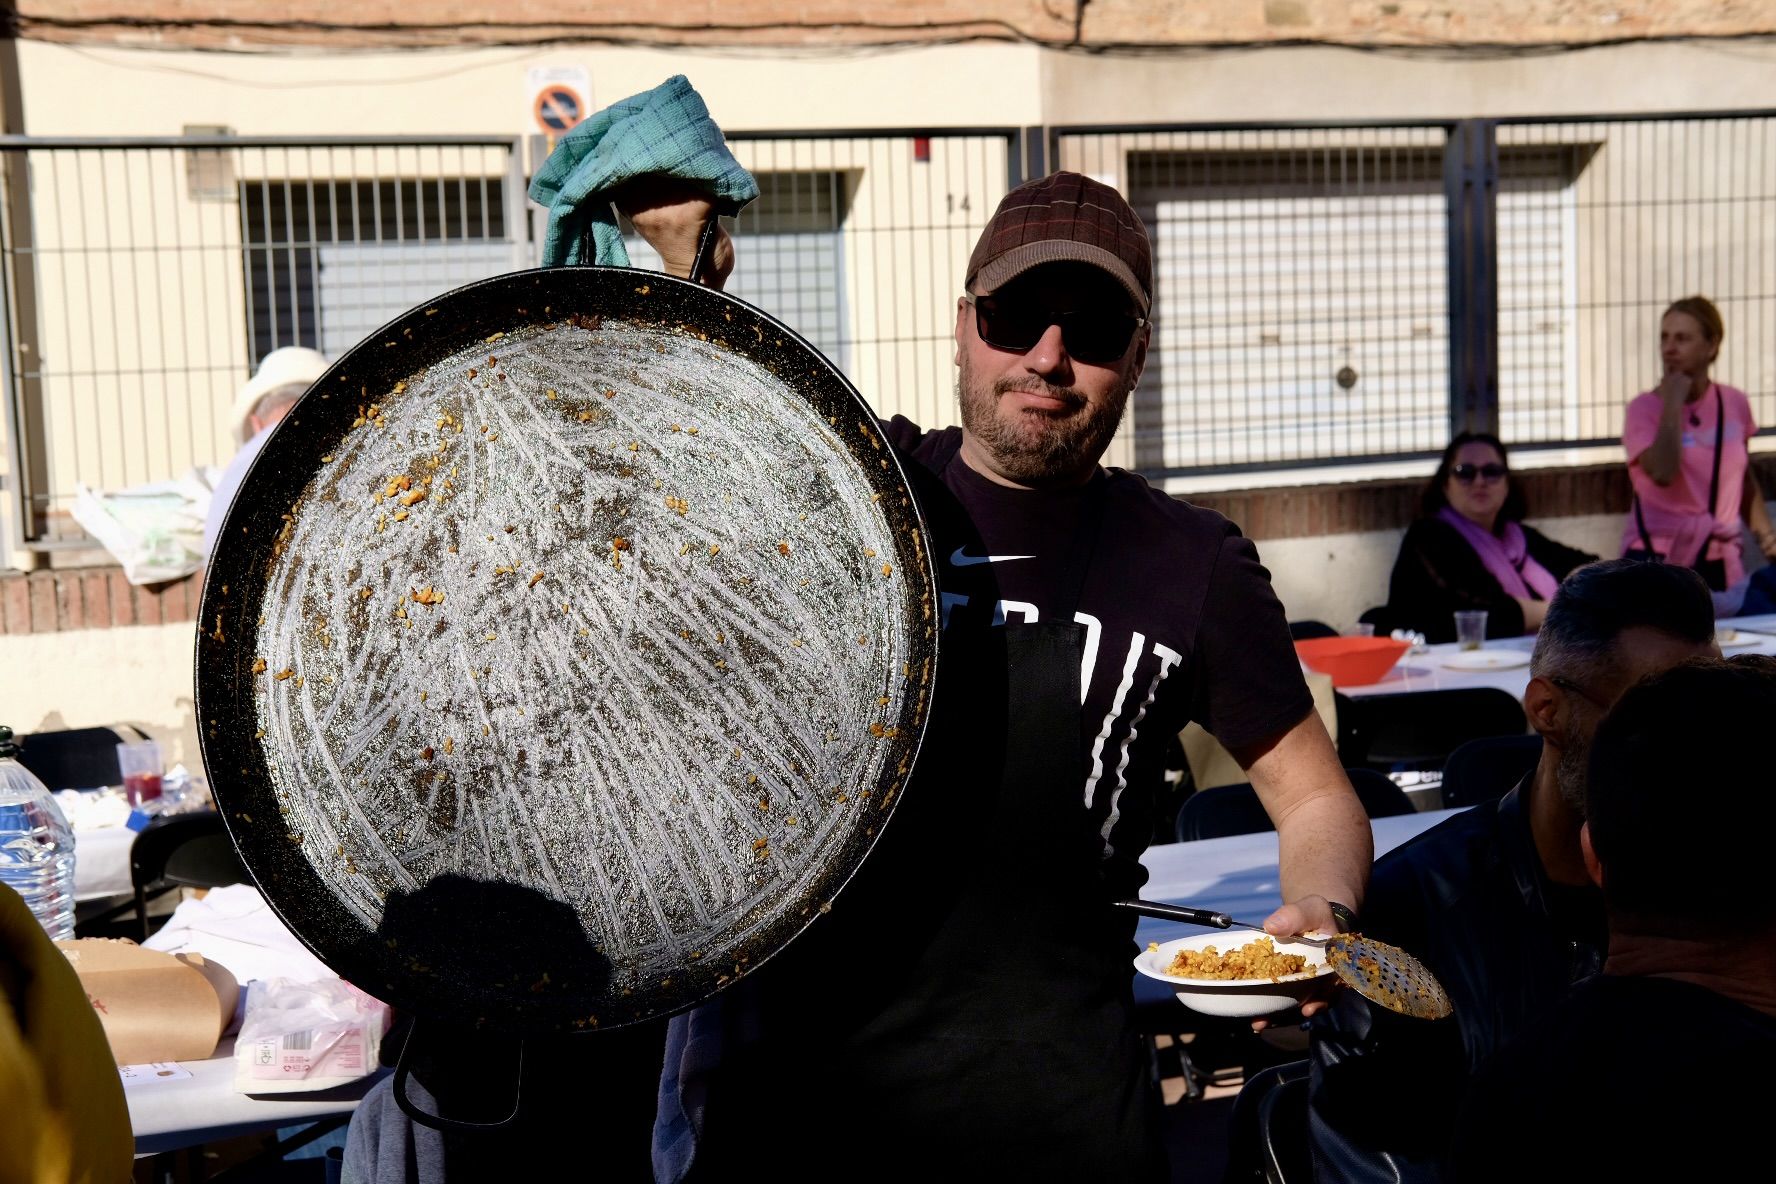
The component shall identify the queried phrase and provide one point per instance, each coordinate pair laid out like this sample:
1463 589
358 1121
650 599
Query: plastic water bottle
36 844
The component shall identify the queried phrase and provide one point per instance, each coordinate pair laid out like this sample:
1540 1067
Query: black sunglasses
1466 473
1090 335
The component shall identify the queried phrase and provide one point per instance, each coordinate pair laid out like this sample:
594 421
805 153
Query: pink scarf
1507 559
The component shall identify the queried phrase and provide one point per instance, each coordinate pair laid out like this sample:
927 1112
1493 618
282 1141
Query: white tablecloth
234 927
102 862
1427 672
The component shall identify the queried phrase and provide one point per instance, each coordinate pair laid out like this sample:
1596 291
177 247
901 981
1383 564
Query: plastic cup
1361 629
139 761
1470 629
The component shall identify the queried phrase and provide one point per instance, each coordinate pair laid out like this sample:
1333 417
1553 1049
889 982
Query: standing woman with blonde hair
1688 459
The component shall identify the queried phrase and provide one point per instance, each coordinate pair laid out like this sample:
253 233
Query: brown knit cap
1064 217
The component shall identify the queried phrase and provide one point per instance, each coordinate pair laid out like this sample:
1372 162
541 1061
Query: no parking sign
560 96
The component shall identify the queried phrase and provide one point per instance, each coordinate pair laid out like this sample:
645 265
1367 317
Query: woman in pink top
1687 457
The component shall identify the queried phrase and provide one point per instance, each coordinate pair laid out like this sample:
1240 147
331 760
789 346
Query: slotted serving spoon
1379 972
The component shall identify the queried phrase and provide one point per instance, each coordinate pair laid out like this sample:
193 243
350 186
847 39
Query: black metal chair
1419 730
1378 617
1282 1130
1221 811
76 758
1381 798
1485 770
1260 1130
182 851
1236 810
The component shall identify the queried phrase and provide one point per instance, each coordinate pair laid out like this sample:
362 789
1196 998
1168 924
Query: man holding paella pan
965 1005
582 651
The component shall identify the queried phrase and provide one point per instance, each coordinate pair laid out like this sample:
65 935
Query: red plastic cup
139 761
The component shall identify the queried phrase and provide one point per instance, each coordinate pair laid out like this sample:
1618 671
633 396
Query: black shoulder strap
1720 434
1646 538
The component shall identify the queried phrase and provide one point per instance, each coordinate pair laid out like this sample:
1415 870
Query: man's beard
1038 447
1570 772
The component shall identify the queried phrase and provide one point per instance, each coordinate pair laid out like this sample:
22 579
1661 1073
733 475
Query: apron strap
1084 546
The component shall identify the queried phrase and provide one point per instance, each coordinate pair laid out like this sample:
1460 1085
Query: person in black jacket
1679 1031
1472 551
1496 901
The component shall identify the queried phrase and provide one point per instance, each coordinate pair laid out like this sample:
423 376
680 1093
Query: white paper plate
1242 998
1486 659
1739 639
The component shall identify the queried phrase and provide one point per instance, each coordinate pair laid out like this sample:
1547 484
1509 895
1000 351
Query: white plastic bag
155 531
306 1036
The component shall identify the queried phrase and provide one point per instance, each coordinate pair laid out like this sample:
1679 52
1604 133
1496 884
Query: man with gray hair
1496 901
1677 839
260 405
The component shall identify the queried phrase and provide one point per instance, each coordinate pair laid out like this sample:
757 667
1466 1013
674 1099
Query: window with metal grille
329 261
792 240
1301 296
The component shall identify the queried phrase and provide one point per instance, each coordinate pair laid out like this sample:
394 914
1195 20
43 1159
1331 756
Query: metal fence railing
1330 294
144 278
1300 290
859 240
1325 294
1628 215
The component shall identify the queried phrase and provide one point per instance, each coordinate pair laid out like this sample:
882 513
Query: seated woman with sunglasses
1472 551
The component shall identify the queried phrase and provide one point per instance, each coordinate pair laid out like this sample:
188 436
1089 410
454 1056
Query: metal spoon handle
1177 912
1190 916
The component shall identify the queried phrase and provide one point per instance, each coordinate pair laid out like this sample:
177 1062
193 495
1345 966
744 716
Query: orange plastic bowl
1351 661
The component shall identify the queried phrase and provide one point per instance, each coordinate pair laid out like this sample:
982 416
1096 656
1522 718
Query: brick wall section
241 24
1391 505
100 598
91 598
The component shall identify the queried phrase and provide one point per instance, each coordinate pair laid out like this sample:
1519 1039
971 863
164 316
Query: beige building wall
1308 84
483 91
93 677
143 301
907 235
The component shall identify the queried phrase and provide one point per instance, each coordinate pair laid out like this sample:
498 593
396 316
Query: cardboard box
154 1006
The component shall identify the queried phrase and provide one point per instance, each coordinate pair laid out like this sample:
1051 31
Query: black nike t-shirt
1181 621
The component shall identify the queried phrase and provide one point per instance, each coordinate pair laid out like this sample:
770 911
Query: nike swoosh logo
959 559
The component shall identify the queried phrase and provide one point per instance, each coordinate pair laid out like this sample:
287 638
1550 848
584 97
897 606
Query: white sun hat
293 365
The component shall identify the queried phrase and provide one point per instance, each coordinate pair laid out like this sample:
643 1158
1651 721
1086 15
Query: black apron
968 1007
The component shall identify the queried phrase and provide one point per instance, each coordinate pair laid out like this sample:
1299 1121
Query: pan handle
412 1108
705 245
1177 912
